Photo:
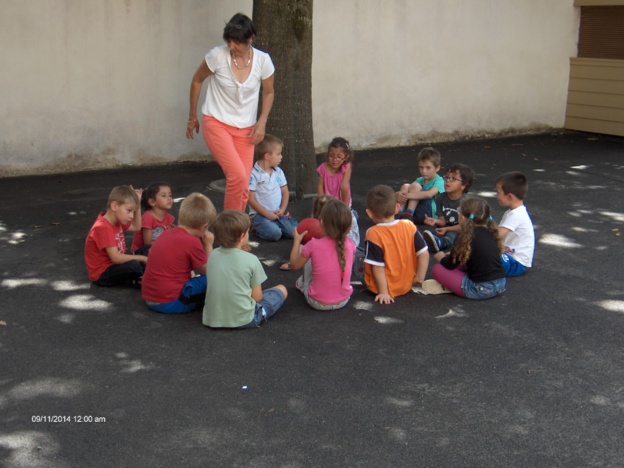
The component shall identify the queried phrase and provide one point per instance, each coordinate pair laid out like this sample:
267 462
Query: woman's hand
192 124
258 131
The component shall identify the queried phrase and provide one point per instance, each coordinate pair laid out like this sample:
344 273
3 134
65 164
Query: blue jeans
484 290
273 230
423 208
272 301
512 266
191 298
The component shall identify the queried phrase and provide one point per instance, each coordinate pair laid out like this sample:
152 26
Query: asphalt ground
90 377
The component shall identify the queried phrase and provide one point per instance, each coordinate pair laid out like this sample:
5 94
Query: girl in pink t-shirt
335 173
156 201
327 262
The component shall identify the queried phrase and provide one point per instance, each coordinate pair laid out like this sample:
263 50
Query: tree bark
285 32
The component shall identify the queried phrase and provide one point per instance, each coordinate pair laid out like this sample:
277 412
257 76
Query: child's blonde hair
430 154
267 145
477 214
123 194
229 226
196 210
336 220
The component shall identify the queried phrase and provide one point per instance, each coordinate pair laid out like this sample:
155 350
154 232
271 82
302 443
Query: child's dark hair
239 29
318 204
515 183
344 145
229 226
476 212
381 200
150 194
466 173
430 154
336 220
267 145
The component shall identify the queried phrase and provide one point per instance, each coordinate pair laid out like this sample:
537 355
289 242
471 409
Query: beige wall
424 70
98 83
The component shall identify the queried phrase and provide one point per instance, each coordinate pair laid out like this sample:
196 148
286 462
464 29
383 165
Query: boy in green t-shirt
417 199
234 296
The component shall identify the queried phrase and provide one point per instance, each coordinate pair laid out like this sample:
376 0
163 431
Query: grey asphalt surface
90 377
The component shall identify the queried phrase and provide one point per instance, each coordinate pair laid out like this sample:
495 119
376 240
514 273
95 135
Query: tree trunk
285 32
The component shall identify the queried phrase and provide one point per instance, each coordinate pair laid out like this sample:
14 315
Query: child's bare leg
411 203
404 191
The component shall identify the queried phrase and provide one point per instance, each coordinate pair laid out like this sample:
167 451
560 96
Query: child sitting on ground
234 297
416 199
156 201
328 261
268 193
516 227
473 269
335 178
396 256
317 206
457 181
105 254
168 285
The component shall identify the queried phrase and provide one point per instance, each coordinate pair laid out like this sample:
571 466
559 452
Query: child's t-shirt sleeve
438 183
419 243
258 276
253 182
281 177
374 254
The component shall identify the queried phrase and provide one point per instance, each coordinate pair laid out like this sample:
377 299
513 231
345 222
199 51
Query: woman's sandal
285 266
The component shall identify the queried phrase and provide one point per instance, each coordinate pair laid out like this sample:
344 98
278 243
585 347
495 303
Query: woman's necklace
246 65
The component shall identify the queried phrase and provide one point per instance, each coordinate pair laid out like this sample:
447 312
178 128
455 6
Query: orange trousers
233 150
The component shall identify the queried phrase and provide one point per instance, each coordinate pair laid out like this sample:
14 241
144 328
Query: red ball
313 226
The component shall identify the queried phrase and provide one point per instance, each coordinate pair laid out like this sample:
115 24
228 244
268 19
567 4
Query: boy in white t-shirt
268 193
516 227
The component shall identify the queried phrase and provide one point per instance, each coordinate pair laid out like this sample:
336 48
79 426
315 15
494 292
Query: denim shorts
272 301
484 290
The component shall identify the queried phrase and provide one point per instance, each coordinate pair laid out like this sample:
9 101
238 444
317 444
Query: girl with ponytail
473 268
327 262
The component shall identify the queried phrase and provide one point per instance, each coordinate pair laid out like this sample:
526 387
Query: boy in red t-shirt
167 285
105 254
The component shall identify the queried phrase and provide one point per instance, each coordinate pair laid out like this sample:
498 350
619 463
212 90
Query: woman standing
235 72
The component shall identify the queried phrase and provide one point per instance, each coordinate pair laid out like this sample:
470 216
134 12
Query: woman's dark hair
239 29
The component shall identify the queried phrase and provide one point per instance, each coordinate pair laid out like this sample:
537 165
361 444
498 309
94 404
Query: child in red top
105 247
168 285
156 201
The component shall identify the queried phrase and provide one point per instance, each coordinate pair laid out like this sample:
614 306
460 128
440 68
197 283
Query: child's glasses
452 179
336 157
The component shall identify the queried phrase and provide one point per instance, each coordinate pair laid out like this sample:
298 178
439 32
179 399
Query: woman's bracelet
193 120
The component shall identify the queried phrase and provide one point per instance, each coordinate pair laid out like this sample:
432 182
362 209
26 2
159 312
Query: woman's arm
268 95
196 85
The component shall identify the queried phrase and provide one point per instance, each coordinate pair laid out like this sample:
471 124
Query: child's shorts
512 266
191 298
272 301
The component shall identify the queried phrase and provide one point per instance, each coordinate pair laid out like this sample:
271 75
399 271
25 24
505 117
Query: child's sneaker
432 241
431 286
